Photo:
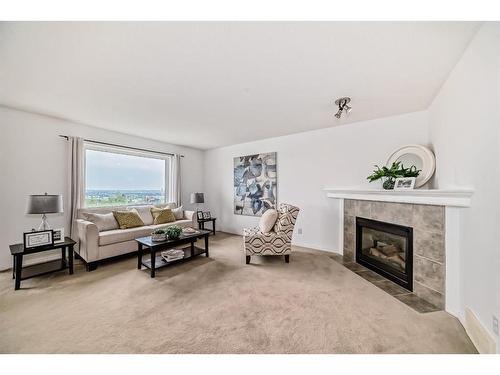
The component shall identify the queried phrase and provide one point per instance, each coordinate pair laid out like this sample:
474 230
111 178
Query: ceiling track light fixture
343 104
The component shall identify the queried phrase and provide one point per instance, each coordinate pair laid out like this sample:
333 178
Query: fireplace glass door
386 249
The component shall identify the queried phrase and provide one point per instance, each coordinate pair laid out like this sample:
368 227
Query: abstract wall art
255 183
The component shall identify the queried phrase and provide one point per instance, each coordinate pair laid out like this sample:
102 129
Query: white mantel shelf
437 197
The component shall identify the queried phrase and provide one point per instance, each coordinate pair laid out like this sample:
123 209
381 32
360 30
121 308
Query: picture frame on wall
255 184
404 183
39 238
206 215
58 235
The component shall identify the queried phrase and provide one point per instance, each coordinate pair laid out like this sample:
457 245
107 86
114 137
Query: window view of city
96 198
114 179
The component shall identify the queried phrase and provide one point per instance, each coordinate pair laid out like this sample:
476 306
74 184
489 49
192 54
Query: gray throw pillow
178 213
102 221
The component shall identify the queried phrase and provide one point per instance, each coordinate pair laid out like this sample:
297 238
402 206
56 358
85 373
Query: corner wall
464 130
33 160
307 163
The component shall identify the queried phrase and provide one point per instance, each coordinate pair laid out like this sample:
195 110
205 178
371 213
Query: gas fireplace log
395 258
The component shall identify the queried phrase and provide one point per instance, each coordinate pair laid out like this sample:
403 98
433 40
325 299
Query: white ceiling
208 84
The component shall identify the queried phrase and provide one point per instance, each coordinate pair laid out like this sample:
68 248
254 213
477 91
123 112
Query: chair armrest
191 215
88 235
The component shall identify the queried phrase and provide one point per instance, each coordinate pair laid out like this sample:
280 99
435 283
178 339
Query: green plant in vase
173 232
389 175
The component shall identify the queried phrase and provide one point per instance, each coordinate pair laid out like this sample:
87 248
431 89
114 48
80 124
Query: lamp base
44 225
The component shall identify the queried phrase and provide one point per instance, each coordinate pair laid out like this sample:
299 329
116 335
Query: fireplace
386 249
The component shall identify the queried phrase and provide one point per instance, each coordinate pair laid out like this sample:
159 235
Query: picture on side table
38 238
58 235
206 215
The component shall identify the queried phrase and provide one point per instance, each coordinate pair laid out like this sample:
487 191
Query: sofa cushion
267 220
182 223
162 216
103 222
128 219
122 235
144 212
178 213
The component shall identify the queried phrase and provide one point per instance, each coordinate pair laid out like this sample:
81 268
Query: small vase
388 183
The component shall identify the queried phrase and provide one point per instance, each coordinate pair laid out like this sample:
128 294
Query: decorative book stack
173 254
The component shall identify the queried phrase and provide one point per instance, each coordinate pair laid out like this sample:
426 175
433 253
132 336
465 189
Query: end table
18 251
201 223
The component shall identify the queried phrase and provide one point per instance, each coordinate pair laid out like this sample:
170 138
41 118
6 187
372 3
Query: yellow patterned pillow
128 219
162 216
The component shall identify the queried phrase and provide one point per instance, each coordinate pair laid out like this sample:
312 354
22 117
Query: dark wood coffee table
156 262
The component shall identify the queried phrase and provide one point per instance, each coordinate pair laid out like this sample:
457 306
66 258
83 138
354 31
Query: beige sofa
95 246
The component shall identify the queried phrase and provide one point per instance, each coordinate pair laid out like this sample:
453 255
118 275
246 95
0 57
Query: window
115 176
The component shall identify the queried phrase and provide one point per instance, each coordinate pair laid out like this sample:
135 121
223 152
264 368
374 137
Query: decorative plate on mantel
419 156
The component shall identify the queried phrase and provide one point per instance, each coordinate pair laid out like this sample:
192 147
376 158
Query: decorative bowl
157 237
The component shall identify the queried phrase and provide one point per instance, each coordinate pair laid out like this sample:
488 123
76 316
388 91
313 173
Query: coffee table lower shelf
160 262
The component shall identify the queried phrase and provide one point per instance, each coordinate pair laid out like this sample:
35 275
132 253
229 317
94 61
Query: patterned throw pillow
162 216
128 219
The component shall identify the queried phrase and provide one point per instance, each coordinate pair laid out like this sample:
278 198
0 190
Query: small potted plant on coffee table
173 232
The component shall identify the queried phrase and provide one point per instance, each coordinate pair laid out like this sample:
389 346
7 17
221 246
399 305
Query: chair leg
287 258
248 259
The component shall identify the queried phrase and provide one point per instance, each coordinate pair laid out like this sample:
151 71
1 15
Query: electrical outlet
495 325
300 232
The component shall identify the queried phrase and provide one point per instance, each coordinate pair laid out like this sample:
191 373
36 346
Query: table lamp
197 198
44 204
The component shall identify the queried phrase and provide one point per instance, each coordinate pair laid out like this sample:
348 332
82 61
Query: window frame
131 152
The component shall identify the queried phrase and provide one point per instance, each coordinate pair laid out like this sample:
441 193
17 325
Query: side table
18 251
201 223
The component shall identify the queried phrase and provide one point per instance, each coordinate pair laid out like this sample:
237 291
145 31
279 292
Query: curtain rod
115 145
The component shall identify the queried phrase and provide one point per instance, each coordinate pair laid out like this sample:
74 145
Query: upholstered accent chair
276 242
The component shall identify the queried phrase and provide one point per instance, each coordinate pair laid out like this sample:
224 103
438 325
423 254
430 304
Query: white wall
309 162
33 160
465 134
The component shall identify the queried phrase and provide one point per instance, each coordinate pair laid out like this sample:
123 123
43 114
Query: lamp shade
197 198
44 204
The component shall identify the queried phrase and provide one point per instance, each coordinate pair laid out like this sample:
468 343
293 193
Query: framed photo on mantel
404 183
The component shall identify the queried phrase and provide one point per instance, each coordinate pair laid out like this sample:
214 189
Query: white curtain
76 181
175 179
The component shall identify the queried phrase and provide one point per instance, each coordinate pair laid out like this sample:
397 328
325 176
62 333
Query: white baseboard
481 338
297 243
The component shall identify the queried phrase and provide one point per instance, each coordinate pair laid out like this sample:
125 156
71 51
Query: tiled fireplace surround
428 223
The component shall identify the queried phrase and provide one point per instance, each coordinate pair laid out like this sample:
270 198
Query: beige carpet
218 305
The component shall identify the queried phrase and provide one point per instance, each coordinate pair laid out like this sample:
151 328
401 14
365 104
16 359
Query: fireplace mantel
438 197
